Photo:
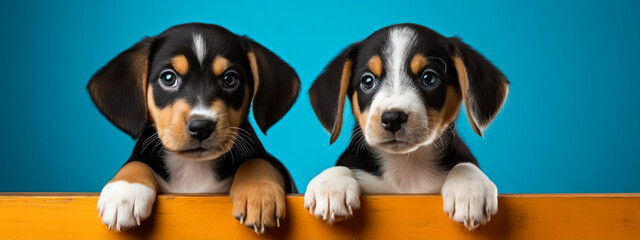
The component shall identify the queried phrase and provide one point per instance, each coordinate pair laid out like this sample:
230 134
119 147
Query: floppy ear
329 91
275 84
118 89
484 87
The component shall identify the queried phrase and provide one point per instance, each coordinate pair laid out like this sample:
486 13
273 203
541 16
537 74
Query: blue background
570 123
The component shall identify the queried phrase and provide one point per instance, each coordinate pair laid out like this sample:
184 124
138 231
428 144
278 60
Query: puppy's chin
396 147
402 145
200 154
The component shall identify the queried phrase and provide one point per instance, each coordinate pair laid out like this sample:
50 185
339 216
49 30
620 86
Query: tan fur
375 65
254 71
224 134
449 112
257 194
229 117
342 97
355 107
180 64
434 121
439 120
237 117
375 121
170 122
462 76
144 76
140 64
137 172
361 117
220 64
418 63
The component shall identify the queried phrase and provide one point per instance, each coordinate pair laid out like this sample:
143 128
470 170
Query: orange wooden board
531 216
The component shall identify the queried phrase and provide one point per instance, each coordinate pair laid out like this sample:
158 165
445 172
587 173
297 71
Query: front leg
128 198
333 194
469 196
258 196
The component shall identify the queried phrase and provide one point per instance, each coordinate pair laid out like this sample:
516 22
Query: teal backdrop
570 123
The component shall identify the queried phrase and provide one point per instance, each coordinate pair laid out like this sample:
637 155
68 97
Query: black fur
150 152
486 83
324 91
179 39
278 85
361 157
120 83
119 89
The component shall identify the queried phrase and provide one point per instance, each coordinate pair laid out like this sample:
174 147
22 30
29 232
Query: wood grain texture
530 216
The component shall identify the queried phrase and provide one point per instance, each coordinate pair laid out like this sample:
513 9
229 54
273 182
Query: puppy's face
199 92
406 84
402 95
194 83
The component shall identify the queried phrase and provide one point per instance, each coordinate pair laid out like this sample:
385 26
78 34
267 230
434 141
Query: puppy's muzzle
200 129
392 121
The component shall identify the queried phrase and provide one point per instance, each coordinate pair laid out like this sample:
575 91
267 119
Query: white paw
124 205
469 196
333 194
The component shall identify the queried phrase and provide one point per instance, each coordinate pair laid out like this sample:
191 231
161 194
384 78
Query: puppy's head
195 83
406 84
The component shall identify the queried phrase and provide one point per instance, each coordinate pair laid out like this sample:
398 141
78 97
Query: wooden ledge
528 216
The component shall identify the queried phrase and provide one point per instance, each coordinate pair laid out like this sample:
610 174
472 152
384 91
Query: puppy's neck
413 172
425 156
187 176
418 171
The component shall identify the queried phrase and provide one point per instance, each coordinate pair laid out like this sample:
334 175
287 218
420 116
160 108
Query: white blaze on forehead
396 91
199 47
401 41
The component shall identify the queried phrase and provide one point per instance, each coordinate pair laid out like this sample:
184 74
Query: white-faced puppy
186 94
406 84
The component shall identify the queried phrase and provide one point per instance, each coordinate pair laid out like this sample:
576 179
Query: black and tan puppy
186 94
406 84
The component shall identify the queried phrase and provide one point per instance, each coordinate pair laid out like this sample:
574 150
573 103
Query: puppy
406 84
185 94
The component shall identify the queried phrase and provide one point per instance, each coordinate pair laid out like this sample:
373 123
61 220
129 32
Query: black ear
329 91
118 89
484 87
275 84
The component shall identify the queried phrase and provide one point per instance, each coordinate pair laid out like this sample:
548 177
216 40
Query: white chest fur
416 172
188 176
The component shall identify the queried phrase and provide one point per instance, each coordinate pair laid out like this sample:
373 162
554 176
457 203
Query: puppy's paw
123 205
470 198
259 205
333 195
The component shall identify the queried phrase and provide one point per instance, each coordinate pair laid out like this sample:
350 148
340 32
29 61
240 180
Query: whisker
148 141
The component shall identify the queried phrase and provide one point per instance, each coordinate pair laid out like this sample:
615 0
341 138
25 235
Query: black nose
200 129
392 121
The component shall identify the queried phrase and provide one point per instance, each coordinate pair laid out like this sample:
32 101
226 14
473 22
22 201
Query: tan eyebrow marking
375 65
417 63
180 64
220 64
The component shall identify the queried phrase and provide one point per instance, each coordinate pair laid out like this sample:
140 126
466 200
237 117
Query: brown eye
230 80
169 79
